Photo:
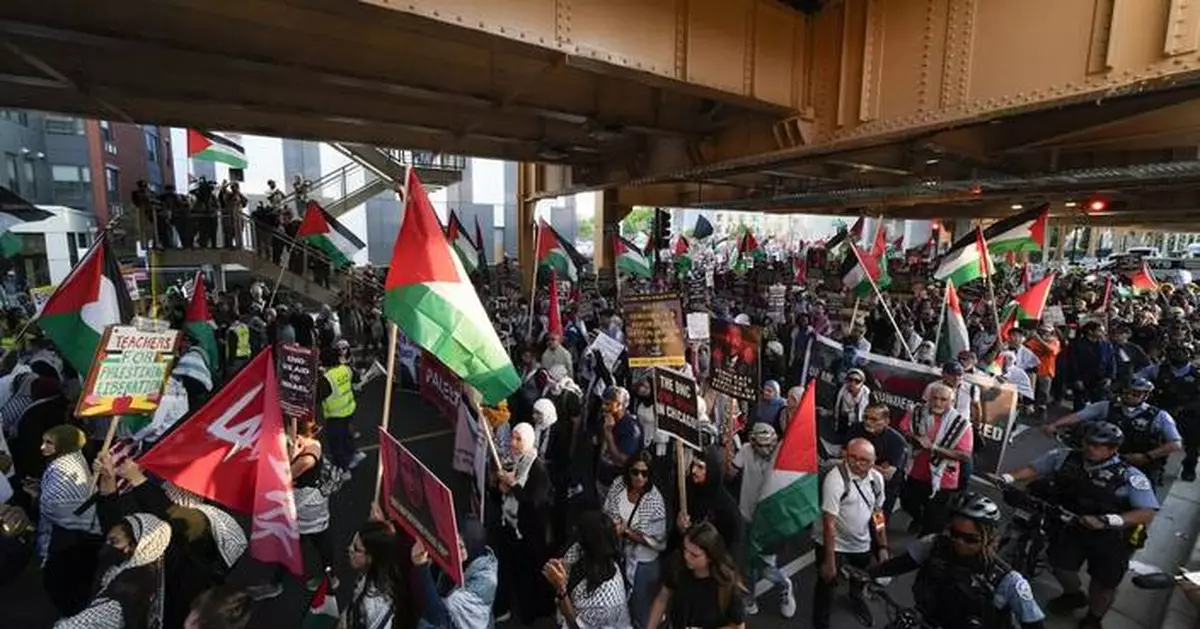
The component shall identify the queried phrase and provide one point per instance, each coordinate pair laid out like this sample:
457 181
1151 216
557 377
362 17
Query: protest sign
297 381
439 386
128 373
39 295
1054 315
697 326
776 301
675 406
697 292
900 384
421 504
653 331
609 349
734 366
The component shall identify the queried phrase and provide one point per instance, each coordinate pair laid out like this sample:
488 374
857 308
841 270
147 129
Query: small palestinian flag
553 253
209 147
1143 280
324 233
630 260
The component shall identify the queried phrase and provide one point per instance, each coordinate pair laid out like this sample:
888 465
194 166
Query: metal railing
425 159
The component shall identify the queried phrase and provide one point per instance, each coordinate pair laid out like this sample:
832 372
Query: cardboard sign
776 301
653 331
734 366
421 504
697 326
675 406
128 373
609 349
297 381
1054 316
440 386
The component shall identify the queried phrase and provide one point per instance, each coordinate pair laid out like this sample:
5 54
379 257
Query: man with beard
943 441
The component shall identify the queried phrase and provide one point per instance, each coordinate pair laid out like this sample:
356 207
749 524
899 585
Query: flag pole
886 309
986 259
393 341
533 282
854 314
937 336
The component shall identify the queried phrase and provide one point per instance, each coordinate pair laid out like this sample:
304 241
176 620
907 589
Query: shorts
1107 554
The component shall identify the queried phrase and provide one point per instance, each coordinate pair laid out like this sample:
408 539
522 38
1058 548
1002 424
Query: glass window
70 182
72 249
83 239
63 125
12 179
18 116
112 183
31 189
151 148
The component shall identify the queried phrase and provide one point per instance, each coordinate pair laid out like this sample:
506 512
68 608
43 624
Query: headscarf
767 410
523 461
561 381
549 416
66 438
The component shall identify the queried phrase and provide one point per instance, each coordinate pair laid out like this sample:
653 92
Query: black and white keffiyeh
605 606
66 484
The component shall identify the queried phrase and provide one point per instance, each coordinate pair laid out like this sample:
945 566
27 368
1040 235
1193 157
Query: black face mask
109 556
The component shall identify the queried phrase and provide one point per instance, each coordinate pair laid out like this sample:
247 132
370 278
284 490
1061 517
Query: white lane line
421 437
789 569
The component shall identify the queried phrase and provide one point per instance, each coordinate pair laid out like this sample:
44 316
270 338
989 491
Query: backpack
825 470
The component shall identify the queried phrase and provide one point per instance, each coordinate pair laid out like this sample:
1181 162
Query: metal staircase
435 170
343 189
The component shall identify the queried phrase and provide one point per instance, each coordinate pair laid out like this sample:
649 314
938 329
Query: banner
440 386
675 406
297 381
734 368
900 384
421 504
129 372
653 330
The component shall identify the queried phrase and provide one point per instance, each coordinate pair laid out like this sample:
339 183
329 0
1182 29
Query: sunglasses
639 471
966 538
854 380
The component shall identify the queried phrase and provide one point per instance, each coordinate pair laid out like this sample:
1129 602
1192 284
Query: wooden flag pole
681 477
533 281
393 334
986 260
854 315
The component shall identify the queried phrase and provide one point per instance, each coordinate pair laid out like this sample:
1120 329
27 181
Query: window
31 187
151 148
112 183
18 116
63 125
83 239
70 182
106 134
72 249
12 179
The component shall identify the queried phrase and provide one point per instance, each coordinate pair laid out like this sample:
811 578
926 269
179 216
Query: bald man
852 498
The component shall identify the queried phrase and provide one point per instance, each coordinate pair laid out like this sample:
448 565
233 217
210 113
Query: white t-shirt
852 515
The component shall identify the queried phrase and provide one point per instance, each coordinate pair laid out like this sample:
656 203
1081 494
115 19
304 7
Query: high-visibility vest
243 340
8 342
340 402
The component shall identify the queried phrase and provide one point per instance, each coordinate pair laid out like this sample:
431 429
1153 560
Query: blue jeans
339 437
646 581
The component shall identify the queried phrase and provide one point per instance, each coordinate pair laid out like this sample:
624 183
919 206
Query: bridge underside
908 108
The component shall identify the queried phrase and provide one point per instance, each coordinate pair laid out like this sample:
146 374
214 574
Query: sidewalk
1172 542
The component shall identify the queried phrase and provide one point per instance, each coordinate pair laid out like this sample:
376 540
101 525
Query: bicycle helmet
1141 385
979 509
1104 433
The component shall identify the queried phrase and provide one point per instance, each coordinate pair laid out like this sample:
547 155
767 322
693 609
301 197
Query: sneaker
751 606
787 604
862 612
1066 603
358 458
264 592
1187 476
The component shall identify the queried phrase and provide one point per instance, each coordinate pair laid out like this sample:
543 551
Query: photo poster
421 504
440 386
654 330
697 291
297 382
776 301
128 373
675 406
734 366
39 295
900 384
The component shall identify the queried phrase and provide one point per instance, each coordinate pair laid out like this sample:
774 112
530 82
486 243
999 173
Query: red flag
879 249
554 315
856 230
1032 303
233 450
1143 281
801 265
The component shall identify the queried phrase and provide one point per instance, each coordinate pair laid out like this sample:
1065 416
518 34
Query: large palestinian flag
209 147
324 233
1143 280
965 261
952 337
863 268
90 299
553 253
788 502
428 295
1024 232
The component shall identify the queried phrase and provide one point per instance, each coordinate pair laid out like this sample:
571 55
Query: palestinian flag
322 609
1032 303
681 247
630 259
198 322
854 234
952 336
1143 281
749 244
553 253
967 260
861 269
91 298
479 243
788 503
457 236
327 235
1024 232
209 147
15 210
428 295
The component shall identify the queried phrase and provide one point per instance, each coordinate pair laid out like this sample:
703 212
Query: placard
776 302
297 381
675 406
439 386
734 366
697 326
39 295
610 350
128 372
421 504
697 292
653 330
1053 315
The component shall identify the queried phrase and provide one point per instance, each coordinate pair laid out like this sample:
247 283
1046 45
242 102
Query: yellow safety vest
8 343
340 402
243 341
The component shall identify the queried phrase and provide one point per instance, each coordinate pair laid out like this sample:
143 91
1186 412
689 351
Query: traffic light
662 229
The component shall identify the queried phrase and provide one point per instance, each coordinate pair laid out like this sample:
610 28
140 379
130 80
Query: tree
586 228
639 221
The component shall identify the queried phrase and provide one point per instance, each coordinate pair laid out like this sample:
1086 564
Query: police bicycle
1031 525
898 616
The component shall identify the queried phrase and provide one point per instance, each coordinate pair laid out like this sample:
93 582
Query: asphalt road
418 424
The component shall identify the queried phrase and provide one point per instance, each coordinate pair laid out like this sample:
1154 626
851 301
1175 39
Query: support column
527 175
608 213
1093 235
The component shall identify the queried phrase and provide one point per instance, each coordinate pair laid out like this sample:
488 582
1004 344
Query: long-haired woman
639 512
381 582
705 589
588 584
312 506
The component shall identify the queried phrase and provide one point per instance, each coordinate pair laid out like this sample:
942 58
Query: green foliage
637 222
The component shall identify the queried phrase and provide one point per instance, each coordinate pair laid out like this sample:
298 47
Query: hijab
549 416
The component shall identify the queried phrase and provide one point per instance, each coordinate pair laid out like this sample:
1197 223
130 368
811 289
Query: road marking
421 437
789 569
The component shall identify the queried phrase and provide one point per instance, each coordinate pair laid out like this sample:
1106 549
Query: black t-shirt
697 602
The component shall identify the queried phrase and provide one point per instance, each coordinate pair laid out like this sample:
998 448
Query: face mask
110 556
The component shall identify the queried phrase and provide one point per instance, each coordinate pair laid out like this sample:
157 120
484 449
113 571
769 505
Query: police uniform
1177 390
1145 427
951 593
1108 487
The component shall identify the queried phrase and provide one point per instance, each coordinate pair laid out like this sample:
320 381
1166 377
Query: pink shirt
920 467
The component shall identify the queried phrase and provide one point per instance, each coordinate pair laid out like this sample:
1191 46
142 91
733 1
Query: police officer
960 580
1115 502
237 347
1177 391
336 392
1150 432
